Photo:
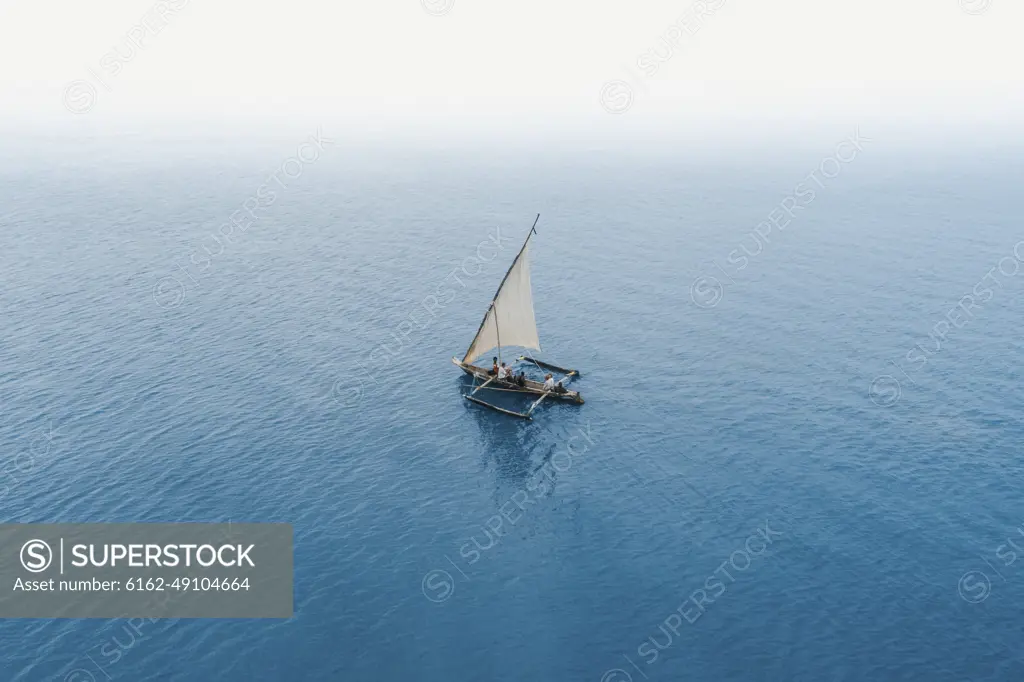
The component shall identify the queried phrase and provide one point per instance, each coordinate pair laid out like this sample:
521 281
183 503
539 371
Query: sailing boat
509 321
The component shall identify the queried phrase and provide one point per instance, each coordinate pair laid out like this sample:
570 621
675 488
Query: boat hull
531 387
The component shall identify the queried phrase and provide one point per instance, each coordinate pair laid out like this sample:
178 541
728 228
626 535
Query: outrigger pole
484 384
499 409
536 403
548 365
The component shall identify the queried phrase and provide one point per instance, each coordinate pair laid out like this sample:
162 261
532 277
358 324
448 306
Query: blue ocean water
804 468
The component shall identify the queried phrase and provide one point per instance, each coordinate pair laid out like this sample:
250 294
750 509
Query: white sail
510 320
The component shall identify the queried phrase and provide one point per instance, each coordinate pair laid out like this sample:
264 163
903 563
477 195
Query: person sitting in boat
502 372
521 379
550 385
494 367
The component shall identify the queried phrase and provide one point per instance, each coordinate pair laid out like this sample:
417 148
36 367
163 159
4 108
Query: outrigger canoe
510 321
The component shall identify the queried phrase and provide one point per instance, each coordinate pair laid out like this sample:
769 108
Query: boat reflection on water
528 455
515 448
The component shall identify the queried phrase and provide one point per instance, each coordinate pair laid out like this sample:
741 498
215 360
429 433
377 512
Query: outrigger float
509 320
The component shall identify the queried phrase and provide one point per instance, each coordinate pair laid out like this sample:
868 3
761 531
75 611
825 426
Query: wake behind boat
510 321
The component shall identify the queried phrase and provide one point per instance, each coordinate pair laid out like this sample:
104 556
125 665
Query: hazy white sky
404 64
